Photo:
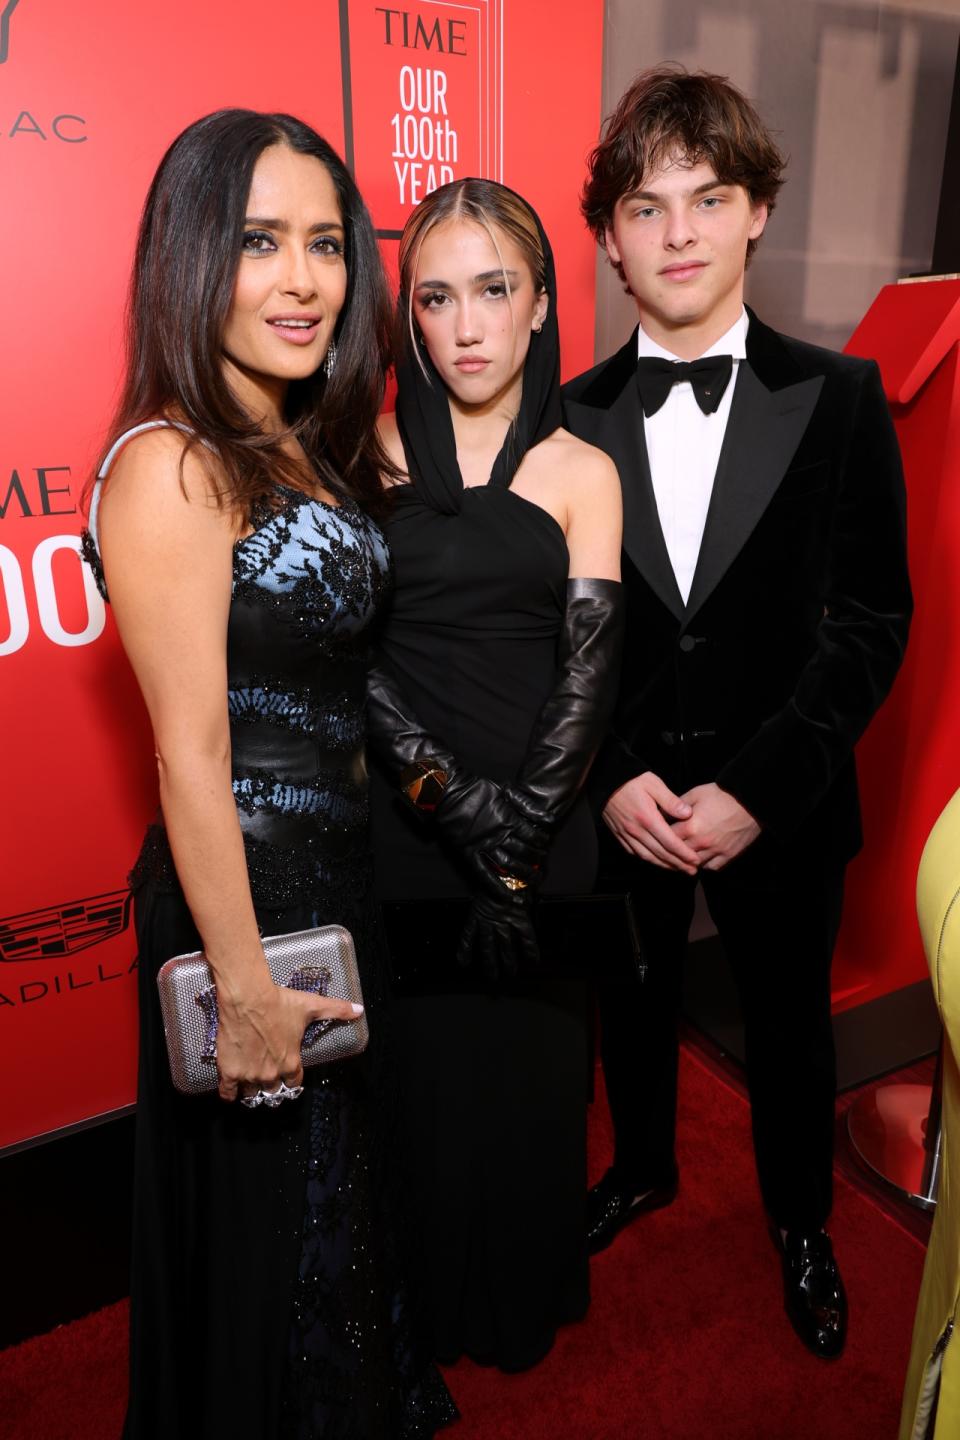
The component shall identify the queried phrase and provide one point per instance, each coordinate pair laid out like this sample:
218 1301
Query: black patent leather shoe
813 1293
611 1206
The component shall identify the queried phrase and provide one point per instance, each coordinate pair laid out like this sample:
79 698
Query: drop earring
330 359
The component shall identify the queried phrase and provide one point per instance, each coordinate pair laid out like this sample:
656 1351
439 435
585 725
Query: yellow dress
935 1356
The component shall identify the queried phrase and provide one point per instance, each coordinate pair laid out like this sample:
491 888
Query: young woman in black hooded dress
498 654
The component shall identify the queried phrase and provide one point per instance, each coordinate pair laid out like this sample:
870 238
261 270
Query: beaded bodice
307 585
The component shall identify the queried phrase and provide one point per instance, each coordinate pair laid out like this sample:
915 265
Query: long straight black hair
188 252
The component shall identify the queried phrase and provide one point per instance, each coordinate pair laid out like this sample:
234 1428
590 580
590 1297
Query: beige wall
859 95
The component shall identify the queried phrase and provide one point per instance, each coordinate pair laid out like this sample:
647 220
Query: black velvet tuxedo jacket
800 605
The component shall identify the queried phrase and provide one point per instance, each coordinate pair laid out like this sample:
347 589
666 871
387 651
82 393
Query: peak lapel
642 533
617 428
763 432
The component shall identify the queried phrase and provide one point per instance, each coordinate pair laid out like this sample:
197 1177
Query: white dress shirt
683 446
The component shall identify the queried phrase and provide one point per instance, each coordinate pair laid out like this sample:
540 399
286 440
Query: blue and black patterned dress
269 1293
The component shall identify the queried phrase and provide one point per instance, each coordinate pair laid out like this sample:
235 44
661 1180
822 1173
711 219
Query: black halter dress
494 1092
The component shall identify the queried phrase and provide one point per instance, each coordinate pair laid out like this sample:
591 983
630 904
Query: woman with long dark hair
231 526
499 647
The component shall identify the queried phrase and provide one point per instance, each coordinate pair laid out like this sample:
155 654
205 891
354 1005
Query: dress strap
119 443
111 455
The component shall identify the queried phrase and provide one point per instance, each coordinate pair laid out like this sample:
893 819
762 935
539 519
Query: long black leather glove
504 832
498 936
573 720
499 930
472 812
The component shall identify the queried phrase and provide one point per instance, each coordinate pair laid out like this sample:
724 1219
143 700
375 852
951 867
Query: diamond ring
272 1098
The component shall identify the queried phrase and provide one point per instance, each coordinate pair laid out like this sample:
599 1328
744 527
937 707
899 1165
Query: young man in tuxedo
768 605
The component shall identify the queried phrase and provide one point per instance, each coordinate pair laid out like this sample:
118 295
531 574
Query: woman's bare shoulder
576 462
164 456
162 483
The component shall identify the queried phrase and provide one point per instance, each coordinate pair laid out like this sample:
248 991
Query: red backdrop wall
90 96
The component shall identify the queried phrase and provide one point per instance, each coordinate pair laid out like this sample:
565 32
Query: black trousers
777 918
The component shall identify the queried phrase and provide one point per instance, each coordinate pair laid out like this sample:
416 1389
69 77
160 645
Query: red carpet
686 1338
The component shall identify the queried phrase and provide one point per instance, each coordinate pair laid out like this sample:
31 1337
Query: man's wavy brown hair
668 113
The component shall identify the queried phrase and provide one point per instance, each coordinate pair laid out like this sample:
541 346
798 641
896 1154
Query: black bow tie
709 378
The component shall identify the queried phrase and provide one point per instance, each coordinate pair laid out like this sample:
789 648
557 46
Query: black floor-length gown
494 1085
494 1098
269 1296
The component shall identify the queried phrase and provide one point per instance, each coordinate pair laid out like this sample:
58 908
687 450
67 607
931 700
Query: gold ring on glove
423 783
513 882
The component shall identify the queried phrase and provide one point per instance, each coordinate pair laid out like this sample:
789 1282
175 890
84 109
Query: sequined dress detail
270 1292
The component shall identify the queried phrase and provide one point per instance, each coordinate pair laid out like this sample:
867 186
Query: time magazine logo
428 82
44 578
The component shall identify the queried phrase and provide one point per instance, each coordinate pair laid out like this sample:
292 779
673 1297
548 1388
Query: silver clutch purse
320 962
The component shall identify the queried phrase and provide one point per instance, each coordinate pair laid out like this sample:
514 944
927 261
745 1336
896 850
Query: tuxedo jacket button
667 736
687 643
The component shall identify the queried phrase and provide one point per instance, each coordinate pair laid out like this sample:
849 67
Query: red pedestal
909 760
